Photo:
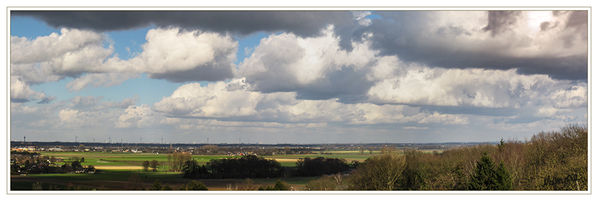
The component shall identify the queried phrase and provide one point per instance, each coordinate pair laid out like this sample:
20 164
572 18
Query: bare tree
154 165
379 173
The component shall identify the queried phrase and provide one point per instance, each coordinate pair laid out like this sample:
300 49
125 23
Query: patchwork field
124 171
107 160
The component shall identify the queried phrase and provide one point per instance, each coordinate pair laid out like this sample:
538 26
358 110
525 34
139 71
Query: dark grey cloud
500 21
578 21
46 100
208 73
578 18
394 33
19 100
243 22
400 33
347 84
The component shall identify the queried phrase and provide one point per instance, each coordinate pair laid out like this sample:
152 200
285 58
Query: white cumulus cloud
234 101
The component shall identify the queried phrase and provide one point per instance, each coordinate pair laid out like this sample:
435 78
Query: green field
103 159
124 171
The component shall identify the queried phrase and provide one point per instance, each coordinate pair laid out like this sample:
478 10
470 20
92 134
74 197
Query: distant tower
75 139
24 139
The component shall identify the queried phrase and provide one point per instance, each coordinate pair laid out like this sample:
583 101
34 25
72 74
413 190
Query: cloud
216 100
53 57
234 101
533 42
96 103
21 92
99 79
177 55
575 96
49 47
172 54
71 116
482 92
490 40
315 67
137 117
415 72
212 124
243 22
82 102
361 18
93 112
500 21
460 87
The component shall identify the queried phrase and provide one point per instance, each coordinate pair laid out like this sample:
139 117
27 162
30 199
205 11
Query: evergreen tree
505 181
488 177
501 145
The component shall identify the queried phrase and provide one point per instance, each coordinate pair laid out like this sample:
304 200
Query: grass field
123 171
109 160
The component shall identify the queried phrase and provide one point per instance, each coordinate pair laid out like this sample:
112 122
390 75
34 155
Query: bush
195 185
325 183
278 186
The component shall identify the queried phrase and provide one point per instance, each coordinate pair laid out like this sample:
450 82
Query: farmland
124 171
107 159
130 160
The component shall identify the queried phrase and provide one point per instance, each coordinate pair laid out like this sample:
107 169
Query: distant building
55 149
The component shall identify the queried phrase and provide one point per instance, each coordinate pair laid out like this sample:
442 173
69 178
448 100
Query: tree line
251 166
248 166
549 161
34 163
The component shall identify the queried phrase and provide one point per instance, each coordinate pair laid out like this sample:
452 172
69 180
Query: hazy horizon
296 77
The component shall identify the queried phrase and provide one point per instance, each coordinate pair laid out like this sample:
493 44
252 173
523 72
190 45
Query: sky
296 76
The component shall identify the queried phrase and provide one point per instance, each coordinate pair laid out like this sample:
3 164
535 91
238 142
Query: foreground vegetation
548 161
